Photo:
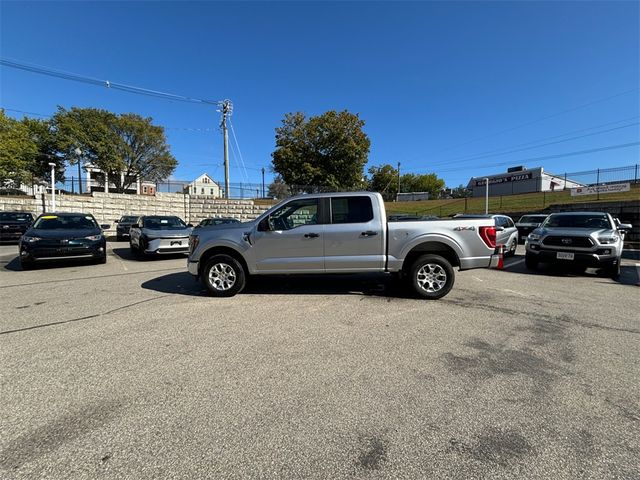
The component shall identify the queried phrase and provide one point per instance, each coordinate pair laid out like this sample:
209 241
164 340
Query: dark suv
14 224
124 225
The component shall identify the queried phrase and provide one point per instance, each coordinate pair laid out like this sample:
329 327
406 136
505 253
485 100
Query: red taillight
488 235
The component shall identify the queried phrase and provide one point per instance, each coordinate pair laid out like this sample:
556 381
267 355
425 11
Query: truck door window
295 214
351 210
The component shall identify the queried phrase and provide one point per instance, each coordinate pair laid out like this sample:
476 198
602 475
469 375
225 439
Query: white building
204 185
520 180
98 181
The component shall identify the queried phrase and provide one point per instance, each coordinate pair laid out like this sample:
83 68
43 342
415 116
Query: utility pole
78 153
262 182
226 107
398 194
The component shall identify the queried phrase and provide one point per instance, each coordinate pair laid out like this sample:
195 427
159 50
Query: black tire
102 260
530 262
135 250
119 238
431 277
613 270
511 250
223 276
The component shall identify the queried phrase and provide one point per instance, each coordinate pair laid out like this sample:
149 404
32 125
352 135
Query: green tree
384 179
43 134
278 189
329 150
460 192
116 144
411 182
17 151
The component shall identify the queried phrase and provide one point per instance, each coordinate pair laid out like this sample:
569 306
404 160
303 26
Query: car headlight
93 238
608 240
534 236
28 239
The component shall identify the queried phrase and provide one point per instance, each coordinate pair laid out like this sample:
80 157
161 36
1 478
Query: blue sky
435 82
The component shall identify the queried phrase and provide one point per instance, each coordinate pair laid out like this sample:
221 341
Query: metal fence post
598 185
635 178
564 187
465 204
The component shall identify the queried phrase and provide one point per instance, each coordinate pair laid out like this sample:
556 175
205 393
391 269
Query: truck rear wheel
431 277
223 276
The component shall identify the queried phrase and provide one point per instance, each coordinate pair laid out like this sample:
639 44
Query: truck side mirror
264 226
625 227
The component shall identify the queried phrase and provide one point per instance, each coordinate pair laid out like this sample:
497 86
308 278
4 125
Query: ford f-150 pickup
340 233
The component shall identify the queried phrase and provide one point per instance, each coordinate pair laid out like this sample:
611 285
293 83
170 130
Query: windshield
128 219
164 223
15 217
533 218
65 222
577 221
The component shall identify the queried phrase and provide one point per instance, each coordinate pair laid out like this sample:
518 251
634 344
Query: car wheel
432 277
530 262
511 251
613 270
119 238
223 276
102 260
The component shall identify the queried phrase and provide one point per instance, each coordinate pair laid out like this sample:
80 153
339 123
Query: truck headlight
93 238
608 240
534 237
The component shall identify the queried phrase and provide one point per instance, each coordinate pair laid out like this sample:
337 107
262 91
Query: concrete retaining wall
108 207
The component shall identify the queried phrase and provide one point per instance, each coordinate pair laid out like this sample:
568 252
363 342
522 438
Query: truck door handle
369 233
311 235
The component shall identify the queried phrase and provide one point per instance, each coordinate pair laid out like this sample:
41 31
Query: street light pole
53 186
486 196
78 152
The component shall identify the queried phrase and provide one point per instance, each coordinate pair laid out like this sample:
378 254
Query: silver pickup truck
340 233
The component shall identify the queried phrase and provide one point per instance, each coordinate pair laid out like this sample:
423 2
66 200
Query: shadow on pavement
183 283
14 264
629 274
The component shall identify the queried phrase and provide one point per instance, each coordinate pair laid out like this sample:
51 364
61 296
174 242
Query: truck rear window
351 210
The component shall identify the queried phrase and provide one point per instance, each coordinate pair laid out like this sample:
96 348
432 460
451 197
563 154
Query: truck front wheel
432 277
223 276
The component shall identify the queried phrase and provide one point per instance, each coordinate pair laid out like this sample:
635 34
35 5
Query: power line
235 139
538 120
546 157
497 150
488 155
186 129
103 83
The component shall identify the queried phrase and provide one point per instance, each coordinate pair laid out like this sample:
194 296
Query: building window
212 191
144 189
202 191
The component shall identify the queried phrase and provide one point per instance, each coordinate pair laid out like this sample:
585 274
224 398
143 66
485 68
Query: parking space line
513 264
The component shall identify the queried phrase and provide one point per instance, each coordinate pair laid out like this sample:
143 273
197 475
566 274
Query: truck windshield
577 221
532 218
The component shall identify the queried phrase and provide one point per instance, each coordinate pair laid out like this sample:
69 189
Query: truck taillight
488 235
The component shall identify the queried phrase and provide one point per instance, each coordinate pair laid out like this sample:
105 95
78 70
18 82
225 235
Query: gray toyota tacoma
583 239
340 233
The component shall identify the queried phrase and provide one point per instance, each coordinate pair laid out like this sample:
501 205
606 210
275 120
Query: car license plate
564 256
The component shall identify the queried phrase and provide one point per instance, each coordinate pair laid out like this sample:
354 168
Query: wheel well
204 258
435 248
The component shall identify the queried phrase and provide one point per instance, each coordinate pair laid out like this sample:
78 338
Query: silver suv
506 231
585 239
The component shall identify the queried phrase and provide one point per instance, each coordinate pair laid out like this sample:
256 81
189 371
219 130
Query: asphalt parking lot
128 370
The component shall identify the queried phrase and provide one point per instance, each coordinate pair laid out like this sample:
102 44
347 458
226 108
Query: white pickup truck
340 233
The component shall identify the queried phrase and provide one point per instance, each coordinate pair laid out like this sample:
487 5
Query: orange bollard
500 265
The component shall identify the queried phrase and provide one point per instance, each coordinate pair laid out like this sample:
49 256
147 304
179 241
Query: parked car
159 234
585 239
207 222
340 233
14 224
124 224
55 236
507 233
528 223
